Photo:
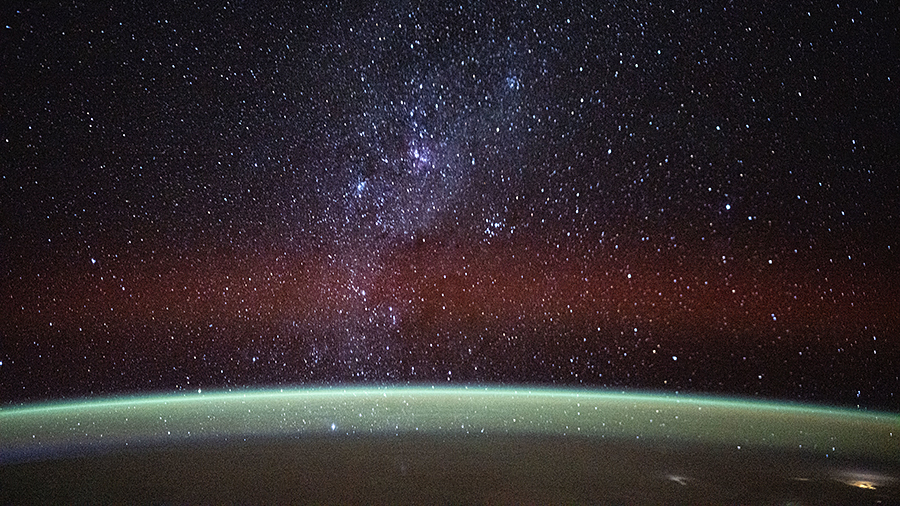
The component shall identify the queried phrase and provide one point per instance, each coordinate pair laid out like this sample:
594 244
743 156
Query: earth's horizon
446 444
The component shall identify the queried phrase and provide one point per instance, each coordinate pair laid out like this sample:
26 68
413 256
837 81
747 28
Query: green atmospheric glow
677 419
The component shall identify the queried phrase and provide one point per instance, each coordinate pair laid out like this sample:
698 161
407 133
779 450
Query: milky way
679 197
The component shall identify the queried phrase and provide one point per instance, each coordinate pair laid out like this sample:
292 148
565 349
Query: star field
633 196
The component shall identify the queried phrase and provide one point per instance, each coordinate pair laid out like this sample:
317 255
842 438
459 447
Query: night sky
633 195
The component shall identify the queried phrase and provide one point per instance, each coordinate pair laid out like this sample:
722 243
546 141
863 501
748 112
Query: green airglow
459 411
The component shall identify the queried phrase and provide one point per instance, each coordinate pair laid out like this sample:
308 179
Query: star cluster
678 197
